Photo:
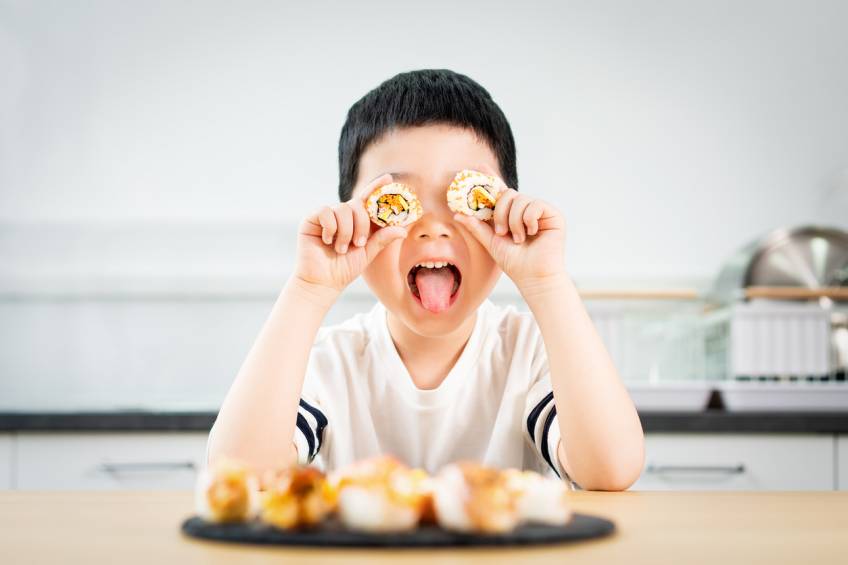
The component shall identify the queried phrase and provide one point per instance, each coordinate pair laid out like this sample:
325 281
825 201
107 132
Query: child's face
426 158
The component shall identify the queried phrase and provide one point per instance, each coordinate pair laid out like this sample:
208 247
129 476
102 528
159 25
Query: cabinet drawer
6 460
842 463
737 462
109 461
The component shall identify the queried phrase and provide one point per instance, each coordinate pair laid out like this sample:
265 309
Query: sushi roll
381 495
229 492
296 497
393 204
474 194
469 497
540 499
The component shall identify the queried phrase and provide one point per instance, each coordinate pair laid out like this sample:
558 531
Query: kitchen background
150 151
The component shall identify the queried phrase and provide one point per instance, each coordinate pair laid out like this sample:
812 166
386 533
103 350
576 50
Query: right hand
335 244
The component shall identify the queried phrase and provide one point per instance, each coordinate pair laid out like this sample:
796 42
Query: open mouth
435 285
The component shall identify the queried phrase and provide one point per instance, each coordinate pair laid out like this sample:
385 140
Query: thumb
481 231
381 238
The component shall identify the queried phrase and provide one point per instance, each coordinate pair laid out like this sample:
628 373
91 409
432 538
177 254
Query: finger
361 222
516 218
328 224
531 216
344 219
502 207
382 238
376 183
480 230
310 226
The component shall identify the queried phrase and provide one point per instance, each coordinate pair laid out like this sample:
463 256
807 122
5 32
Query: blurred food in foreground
382 494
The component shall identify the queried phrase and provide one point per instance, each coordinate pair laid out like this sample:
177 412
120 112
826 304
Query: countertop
652 527
708 421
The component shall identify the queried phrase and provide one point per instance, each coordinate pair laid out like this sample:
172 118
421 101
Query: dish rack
773 355
656 341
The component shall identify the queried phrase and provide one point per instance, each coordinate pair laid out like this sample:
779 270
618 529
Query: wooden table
653 527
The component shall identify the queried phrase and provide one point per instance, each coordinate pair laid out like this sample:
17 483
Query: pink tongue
434 287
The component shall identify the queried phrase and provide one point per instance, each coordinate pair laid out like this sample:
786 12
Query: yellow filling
479 198
391 204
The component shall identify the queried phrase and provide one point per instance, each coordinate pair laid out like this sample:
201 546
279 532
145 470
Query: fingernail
343 249
500 230
360 241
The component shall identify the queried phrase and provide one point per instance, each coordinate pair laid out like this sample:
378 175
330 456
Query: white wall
155 148
669 132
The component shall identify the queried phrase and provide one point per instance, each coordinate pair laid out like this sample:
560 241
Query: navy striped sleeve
543 431
309 433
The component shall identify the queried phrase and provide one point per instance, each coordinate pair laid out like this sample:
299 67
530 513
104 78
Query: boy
435 372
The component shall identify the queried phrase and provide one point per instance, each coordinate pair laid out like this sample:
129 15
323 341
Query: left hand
526 237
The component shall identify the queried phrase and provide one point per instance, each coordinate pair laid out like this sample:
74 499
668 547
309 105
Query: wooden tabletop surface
652 527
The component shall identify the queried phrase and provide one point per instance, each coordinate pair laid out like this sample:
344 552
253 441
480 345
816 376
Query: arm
603 443
257 419
256 423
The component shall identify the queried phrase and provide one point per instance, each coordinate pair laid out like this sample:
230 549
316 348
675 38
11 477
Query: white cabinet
170 461
109 461
738 462
7 462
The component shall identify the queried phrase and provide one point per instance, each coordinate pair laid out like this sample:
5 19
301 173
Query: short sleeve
310 431
541 424
311 428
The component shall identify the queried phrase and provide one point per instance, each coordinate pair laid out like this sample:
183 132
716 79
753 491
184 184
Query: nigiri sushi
473 193
228 492
469 497
381 495
540 499
393 204
296 497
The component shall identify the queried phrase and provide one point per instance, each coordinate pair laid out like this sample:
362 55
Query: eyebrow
405 175
400 175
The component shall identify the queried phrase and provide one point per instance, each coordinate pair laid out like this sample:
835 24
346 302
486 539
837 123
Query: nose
429 227
432 225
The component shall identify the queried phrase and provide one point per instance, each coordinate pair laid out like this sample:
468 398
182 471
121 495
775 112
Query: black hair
424 97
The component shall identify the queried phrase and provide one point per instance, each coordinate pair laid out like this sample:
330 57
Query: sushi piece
229 492
296 497
541 499
474 194
382 495
469 497
393 204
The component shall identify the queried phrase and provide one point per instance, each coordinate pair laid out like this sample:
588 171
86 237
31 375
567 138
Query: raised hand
335 244
525 237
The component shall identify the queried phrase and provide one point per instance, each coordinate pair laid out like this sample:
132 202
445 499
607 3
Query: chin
429 324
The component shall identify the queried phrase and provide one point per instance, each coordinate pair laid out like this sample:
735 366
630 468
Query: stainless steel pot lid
807 257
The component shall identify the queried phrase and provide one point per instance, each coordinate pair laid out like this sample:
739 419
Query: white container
688 396
784 396
780 338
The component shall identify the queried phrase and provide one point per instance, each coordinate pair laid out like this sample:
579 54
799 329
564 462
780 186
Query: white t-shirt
495 406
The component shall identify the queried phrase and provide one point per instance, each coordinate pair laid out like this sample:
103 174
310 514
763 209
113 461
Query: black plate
333 534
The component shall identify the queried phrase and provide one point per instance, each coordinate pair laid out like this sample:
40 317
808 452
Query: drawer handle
113 468
719 469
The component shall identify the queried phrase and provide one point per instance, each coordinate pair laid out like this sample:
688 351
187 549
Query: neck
429 359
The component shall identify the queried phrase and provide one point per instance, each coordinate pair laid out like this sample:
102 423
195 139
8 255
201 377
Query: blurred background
150 153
